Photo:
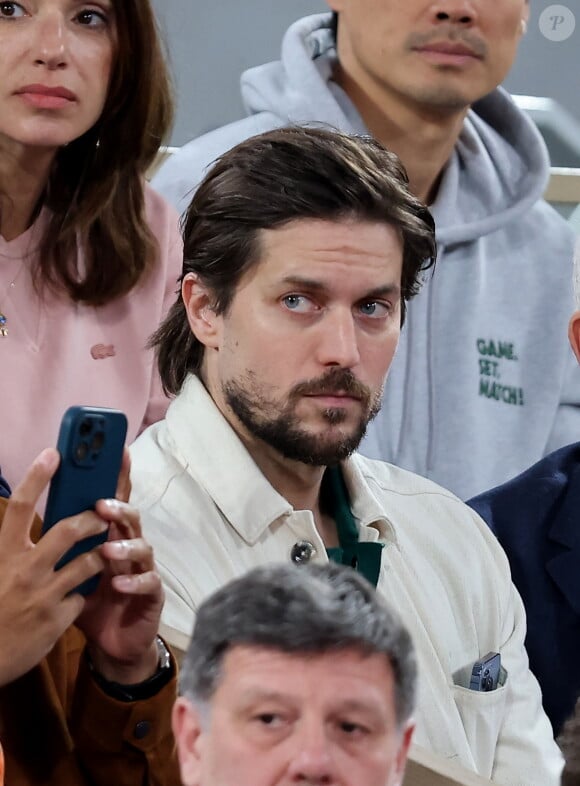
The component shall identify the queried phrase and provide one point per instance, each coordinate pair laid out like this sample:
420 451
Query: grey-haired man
296 675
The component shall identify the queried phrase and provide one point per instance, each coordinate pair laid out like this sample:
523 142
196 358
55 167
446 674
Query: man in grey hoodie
483 383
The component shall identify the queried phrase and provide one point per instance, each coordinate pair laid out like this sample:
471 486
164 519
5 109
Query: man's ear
187 730
574 334
205 324
402 753
525 17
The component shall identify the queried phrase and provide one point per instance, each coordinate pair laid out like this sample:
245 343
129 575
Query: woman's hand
35 605
121 619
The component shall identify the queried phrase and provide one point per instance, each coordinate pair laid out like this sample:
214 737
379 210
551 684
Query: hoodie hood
500 164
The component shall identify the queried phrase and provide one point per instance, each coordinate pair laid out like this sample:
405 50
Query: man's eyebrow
305 283
387 290
356 705
257 694
312 285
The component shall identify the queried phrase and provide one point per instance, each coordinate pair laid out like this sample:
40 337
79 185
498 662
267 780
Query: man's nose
338 339
458 12
51 41
312 763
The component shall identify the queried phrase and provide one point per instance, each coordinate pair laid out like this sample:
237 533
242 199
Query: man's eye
352 729
374 308
298 303
270 719
11 10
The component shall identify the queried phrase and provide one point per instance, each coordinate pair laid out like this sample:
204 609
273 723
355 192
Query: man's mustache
448 33
334 381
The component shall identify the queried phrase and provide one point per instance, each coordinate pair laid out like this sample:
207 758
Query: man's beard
281 427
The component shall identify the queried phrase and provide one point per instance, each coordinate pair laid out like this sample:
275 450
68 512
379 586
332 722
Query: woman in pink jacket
89 254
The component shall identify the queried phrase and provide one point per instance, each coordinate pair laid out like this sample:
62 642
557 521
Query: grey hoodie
484 382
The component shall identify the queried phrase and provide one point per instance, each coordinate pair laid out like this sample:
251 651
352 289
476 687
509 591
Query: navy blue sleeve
483 506
4 488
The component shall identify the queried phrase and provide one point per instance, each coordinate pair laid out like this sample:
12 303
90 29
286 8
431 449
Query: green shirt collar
363 557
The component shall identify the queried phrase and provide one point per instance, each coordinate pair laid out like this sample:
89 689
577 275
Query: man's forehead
293 248
334 231
344 678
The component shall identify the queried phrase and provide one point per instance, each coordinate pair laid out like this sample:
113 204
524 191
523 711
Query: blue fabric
4 488
536 518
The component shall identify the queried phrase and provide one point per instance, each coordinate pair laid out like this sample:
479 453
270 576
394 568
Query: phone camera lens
81 451
487 682
97 441
85 428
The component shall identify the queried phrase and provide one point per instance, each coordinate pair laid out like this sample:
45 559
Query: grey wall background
211 41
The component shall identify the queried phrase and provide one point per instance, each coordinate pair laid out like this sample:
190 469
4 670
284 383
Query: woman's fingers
124 483
81 568
137 551
65 534
20 511
148 583
124 516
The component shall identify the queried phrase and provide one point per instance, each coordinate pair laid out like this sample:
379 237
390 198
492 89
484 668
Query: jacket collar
212 453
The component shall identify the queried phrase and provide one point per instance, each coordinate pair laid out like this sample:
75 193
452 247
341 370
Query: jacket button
302 552
141 730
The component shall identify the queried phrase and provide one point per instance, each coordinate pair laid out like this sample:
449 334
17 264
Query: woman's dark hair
267 181
95 191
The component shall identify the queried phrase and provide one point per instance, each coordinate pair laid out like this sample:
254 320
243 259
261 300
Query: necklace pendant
3 328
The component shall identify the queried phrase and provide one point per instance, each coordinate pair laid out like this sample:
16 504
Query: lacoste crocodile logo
101 351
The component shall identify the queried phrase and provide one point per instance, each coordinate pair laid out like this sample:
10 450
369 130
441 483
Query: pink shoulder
163 218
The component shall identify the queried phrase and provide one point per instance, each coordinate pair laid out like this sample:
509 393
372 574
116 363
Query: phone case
90 443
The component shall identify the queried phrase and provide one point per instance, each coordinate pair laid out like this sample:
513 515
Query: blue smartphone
90 443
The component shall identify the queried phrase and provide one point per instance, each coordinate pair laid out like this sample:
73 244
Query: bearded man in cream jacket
301 250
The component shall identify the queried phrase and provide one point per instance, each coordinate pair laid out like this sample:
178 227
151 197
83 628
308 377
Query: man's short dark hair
303 610
268 181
